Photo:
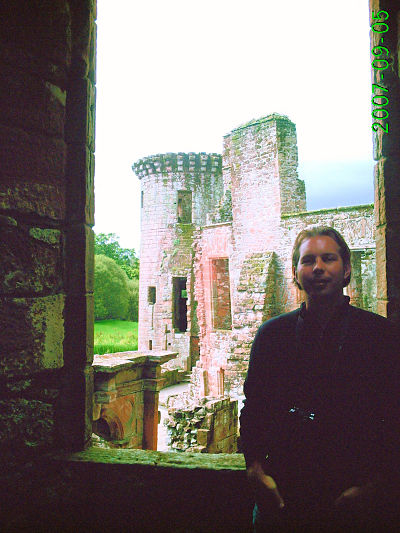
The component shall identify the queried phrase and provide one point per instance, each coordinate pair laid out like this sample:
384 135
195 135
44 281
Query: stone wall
261 160
387 157
206 425
268 211
47 105
356 224
212 242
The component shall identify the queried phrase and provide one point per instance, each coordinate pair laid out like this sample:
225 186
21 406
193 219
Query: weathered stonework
32 258
235 256
208 425
43 410
166 250
126 388
37 343
47 105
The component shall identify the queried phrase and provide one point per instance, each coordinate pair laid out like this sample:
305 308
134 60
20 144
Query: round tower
178 192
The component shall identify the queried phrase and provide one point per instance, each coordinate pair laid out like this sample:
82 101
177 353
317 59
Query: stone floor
162 407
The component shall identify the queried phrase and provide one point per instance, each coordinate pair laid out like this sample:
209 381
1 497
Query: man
319 426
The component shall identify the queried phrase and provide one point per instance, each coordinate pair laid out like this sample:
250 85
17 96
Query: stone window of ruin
151 295
141 199
179 304
221 294
184 207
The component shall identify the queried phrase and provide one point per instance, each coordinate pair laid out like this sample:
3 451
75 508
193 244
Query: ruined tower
177 193
261 160
241 266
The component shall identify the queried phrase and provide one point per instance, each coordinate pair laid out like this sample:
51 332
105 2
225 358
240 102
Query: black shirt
323 403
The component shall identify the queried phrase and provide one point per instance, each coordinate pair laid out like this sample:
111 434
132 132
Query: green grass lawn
115 336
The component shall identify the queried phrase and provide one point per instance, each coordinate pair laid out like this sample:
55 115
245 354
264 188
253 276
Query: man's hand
356 495
259 480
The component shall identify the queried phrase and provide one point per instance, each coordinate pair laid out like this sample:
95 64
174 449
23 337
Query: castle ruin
215 262
52 479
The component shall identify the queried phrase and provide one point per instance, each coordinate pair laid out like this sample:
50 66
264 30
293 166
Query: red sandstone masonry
267 210
166 249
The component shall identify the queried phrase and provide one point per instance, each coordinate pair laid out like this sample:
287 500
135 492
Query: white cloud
177 75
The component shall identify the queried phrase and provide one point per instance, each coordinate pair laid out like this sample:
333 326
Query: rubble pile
206 425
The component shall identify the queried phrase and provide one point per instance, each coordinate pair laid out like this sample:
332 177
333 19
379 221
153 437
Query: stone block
31 103
45 200
40 67
127 376
84 44
32 157
25 424
79 338
37 328
74 428
80 177
81 106
80 259
203 437
32 258
44 32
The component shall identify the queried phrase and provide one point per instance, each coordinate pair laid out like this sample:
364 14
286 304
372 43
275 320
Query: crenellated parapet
181 162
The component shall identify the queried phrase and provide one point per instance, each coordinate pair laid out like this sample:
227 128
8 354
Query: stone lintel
154 385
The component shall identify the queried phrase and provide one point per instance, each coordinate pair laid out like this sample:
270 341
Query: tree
107 244
111 292
133 300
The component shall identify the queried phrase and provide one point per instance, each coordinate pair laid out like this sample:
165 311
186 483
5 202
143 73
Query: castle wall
260 166
386 175
268 211
213 242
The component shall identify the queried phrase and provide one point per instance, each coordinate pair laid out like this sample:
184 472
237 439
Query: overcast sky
177 75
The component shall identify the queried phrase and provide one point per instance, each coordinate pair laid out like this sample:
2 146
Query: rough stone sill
190 461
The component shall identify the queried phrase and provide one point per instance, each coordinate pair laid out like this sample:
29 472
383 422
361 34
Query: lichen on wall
46 316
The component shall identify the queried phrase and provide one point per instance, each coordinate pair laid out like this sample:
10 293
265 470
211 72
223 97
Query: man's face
320 271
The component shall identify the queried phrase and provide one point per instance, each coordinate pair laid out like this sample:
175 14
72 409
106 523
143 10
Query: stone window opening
220 294
184 207
179 304
181 208
73 415
151 295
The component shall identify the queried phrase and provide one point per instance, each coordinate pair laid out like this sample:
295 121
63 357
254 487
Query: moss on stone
50 236
258 122
329 210
26 422
194 461
185 231
57 93
47 319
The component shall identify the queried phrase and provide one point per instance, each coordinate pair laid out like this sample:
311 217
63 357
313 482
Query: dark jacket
324 404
